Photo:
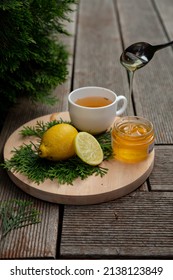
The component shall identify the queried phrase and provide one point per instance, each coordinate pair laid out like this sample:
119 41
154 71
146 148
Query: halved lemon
88 148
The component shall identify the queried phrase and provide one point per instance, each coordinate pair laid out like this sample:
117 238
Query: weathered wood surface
98 48
139 224
141 21
36 241
106 188
161 179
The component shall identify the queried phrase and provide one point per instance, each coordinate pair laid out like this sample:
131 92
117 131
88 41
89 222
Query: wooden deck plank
98 48
152 84
165 9
133 226
35 241
161 177
32 241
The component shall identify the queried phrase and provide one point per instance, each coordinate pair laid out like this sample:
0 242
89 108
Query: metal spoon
139 54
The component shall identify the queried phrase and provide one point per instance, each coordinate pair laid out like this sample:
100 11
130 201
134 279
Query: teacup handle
124 106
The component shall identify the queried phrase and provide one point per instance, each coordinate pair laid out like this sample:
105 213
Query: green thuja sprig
16 214
105 142
25 159
73 168
39 129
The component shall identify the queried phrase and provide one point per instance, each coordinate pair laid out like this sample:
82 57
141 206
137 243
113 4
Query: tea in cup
93 109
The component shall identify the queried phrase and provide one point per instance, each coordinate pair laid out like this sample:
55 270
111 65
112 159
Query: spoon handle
159 47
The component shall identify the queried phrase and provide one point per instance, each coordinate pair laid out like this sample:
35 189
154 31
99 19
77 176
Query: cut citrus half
88 148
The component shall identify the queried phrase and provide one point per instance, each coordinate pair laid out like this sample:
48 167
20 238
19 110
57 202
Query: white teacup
94 119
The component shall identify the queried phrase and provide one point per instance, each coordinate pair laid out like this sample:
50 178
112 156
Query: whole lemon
58 142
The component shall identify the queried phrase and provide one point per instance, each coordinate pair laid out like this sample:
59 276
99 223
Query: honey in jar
132 139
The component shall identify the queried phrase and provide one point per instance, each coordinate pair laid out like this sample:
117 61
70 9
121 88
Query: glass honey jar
132 139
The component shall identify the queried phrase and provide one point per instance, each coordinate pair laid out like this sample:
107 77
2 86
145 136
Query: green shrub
32 62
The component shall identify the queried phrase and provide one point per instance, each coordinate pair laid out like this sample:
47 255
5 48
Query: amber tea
93 109
93 101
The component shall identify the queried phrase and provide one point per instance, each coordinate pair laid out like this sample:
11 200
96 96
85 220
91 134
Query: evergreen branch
25 159
16 214
105 142
33 59
39 129
73 168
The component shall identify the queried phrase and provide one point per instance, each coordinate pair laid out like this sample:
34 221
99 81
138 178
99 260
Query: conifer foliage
32 62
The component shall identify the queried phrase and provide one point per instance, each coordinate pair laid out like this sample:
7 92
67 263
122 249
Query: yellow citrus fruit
58 142
88 148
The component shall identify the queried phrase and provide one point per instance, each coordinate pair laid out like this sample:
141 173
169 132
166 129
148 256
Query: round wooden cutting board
121 179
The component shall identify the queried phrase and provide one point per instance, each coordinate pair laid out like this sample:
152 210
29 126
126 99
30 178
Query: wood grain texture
162 175
98 48
37 241
34 241
165 10
136 225
153 83
94 189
